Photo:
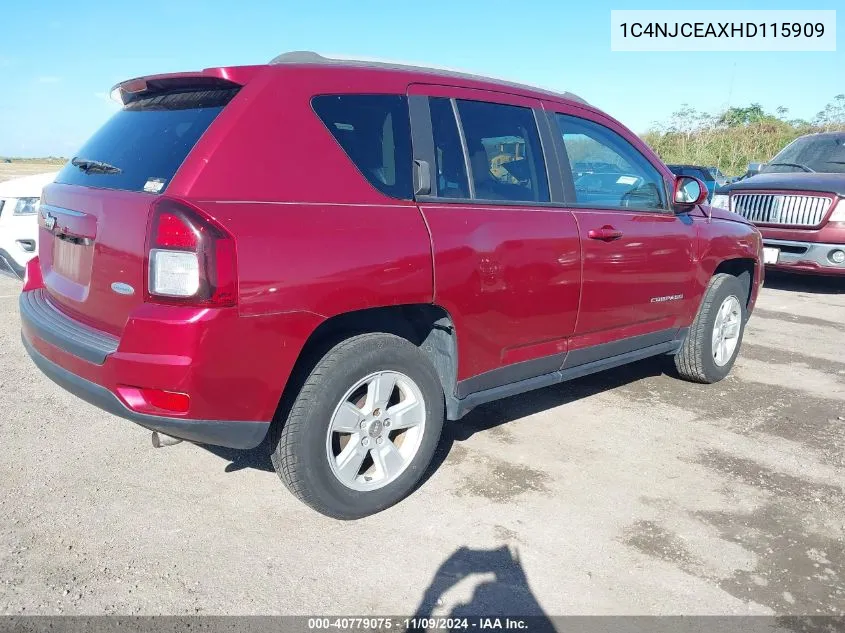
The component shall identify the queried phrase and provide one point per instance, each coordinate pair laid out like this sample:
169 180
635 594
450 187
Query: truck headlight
26 206
721 201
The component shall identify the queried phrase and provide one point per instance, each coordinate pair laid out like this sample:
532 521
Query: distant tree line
737 136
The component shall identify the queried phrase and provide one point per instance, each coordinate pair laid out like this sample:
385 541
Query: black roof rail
310 57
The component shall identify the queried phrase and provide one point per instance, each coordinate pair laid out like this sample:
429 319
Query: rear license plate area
67 258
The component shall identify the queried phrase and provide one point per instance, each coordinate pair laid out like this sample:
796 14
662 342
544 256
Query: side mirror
689 191
755 168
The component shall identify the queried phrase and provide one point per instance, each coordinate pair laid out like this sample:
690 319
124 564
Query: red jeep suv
344 254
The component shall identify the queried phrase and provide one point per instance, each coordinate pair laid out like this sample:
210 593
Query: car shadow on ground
485 417
500 590
812 284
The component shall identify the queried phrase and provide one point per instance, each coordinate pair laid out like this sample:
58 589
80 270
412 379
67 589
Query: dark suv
344 254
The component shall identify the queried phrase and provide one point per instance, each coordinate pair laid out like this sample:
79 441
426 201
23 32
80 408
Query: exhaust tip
160 440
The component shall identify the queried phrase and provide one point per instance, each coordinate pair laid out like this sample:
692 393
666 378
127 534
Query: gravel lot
625 492
18 169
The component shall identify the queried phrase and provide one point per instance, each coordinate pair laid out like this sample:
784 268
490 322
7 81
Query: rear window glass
147 141
375 133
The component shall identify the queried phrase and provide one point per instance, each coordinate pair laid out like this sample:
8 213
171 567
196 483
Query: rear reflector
155 401
32 279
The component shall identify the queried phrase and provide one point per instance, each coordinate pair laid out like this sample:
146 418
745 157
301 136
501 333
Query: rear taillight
191 259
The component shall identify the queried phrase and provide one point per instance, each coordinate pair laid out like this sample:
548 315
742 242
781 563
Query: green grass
730 149
736 137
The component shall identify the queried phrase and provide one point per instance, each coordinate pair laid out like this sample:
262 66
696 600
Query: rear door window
375 133
606 169
505 155
147 141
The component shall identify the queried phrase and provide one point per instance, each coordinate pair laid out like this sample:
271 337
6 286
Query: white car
19 221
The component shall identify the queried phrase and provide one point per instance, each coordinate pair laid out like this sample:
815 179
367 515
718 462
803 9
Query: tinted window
505 154
374 132
451 176
147 140
607 170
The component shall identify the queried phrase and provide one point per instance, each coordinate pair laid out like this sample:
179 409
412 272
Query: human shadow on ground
501 589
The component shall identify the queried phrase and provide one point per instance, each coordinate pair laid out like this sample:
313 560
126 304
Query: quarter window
451 177
607 170
375 133
505 155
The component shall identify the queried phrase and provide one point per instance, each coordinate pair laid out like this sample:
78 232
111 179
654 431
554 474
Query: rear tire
344 413
713 341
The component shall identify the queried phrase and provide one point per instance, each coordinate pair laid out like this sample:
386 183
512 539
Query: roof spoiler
310 57
209 79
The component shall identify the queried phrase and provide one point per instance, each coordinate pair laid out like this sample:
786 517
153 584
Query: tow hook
160 440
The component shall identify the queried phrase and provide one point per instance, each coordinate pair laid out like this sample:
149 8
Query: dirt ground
16 169
627 492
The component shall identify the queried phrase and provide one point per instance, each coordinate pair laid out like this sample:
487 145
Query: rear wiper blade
798 165
88 165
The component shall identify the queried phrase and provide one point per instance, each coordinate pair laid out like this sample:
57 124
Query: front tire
363 429
712 344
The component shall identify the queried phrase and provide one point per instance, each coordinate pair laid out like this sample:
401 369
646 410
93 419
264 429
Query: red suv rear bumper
232 368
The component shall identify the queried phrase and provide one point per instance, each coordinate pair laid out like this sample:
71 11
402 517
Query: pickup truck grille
783 209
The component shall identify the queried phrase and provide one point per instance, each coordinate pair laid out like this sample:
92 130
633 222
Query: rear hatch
94 218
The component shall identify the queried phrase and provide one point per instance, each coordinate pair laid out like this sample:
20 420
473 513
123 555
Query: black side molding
243 435
510 374
522 371
588 355
459 407
53 326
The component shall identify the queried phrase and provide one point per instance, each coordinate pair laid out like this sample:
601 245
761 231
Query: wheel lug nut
387 423
376 413
363 424
379 441
365 441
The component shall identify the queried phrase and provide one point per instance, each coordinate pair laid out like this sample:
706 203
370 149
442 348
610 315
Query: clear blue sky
58 59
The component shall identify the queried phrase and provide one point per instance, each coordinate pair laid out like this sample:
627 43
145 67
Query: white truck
19 221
